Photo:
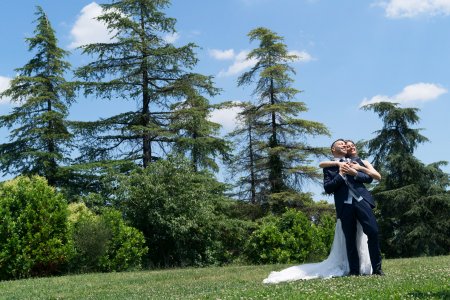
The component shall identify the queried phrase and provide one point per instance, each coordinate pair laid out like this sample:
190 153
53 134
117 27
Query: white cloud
240 64
87 29
240 61
4 84
221 54
171 38
410 95
414 8
421 92
226 117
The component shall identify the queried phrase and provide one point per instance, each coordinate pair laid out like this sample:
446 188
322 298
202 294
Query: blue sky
352 52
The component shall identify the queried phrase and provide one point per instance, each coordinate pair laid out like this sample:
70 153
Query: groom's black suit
358 210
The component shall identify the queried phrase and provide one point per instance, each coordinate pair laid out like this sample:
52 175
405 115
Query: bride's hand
355 166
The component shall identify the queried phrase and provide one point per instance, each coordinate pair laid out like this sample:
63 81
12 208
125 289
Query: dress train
334 266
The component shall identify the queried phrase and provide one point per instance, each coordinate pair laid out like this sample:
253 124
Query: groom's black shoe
378 272
353 274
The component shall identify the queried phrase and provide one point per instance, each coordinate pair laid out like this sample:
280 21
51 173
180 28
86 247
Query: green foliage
245 164
104 242
396 136
33 232
323 235
414 218
278 202
176 209
126 247
196 136
40 141
275 152
90 238
141 66
289 238
413 198
233 226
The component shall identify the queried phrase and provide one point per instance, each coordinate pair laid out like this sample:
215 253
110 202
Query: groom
353 203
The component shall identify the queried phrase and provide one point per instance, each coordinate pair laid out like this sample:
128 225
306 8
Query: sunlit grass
416 278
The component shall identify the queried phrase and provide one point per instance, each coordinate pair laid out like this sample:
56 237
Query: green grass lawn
417 278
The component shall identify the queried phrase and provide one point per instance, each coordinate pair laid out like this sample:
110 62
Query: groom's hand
347 169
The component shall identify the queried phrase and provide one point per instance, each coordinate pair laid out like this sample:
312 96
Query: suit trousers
362 212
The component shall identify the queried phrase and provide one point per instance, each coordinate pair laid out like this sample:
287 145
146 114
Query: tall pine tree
195 135
282 135
39 140
413 198
138 65
245 162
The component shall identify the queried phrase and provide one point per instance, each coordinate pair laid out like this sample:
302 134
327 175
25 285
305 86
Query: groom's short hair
338 140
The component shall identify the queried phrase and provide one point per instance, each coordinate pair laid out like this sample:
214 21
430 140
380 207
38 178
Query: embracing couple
345 178
355 249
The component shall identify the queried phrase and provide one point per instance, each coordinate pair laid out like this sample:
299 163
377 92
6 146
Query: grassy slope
417 278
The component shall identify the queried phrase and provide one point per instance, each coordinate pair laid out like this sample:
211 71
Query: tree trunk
146 146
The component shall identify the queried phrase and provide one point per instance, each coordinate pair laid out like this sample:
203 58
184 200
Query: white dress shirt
351 195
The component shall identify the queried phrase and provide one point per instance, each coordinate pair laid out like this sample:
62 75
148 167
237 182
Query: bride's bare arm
368 169
328 163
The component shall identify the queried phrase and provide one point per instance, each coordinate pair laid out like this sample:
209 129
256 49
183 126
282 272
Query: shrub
323 237
104 242
230 238
33 232
285 239
90 238
126 247
231 228
176 209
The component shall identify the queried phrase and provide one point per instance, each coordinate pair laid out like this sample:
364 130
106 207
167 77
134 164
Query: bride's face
351 149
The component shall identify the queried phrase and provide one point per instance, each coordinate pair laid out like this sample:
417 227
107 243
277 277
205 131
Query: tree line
155 164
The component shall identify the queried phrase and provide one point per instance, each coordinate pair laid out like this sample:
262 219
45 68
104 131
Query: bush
33 232
90 238
126 248
176 209
104 242
233 226
285 239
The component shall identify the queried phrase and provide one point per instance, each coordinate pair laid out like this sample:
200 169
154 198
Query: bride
336 264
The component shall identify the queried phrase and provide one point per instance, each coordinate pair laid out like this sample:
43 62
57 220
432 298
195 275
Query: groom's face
339 149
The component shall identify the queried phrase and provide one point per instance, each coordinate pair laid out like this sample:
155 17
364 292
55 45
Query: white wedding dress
334 266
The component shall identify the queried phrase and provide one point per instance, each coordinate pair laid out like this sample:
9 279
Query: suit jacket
335 184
